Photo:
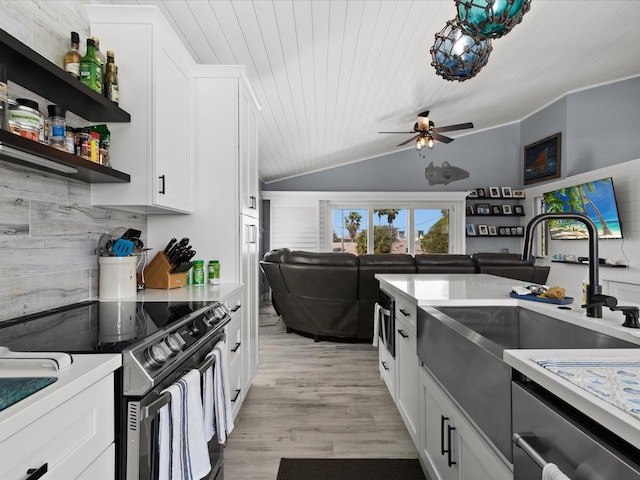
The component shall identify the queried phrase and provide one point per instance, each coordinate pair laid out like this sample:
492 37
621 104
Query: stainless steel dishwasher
547 430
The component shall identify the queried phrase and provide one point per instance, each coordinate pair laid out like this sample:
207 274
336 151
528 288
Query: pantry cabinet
449 445
155 73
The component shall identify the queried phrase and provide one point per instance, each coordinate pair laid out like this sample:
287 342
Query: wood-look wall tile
18 181
14 216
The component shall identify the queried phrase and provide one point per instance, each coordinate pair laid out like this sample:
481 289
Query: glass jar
198 273
70 140
57 126
83 143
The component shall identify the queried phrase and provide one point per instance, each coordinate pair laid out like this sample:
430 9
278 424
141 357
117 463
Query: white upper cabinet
248 150
155 73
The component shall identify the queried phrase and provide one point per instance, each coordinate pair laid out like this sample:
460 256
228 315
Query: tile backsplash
48 228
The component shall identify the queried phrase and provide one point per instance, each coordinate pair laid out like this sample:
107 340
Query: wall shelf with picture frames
502 209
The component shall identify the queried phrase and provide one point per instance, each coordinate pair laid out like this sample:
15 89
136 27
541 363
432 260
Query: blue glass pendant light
490 18
458 56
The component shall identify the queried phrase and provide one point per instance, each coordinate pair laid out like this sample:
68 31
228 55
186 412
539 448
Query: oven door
143 422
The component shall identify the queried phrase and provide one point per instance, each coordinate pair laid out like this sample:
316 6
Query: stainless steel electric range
158 341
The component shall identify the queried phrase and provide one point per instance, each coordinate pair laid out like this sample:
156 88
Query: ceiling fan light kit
457 56
490 18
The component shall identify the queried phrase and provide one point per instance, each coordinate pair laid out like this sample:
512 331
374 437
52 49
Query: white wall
626 178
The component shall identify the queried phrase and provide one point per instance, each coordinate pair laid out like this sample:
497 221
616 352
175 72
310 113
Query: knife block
157 274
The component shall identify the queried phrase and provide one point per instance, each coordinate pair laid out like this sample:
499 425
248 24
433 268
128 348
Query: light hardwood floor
323 400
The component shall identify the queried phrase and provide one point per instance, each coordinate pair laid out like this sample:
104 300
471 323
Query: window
349 226
395 230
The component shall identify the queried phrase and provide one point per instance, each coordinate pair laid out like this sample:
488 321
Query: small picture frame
518 193
495 210
494 192
518 210
480 192
492 230
504 231
483 209
471 230
483 230
470 210
520 231
506 192
514 230
472 194
506 210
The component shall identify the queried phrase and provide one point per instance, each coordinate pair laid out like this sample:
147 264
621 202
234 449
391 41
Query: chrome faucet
595 299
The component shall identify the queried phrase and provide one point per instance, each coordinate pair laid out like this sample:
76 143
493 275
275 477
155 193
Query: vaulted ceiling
330 74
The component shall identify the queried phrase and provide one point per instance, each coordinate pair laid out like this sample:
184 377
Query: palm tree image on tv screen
594 199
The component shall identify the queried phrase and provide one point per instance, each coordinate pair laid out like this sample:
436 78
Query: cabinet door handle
450 462
35 473
236 308
402 334
442 420
162 180
404 312
235 397
253 204
384 365
236 347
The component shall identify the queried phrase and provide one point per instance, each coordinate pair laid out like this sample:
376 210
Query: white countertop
440 290
623 424
433 290
82 373
190 293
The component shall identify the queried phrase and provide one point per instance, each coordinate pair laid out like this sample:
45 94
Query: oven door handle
524 442
165 398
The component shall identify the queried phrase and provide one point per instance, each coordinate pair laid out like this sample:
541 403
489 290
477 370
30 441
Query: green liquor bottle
91 68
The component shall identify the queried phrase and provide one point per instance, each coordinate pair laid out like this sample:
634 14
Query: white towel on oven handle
376 324
552 472
219 419
208 403
183 448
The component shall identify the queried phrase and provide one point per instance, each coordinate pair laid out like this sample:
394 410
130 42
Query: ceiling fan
426 133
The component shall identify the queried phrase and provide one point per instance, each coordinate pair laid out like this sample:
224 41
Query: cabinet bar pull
450 462
35 473
162 178
236 308
236 347
236 395
442 420
384 365
404 312
402 334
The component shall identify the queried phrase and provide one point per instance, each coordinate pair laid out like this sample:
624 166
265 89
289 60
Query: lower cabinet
237 348
72 440
387 367
449 445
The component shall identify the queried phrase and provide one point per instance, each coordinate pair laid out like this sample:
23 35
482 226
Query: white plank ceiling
330 74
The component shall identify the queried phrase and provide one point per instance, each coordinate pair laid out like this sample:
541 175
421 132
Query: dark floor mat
350 469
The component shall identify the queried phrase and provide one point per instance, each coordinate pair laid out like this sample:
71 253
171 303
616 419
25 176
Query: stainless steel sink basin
462 347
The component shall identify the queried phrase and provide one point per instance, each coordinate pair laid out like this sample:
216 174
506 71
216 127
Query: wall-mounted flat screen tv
596 200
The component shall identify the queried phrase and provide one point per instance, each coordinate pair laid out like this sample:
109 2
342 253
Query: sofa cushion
444 263
276 255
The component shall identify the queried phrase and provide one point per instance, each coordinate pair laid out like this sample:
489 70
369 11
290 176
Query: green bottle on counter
91 68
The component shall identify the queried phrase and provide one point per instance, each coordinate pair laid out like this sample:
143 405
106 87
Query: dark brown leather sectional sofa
333 294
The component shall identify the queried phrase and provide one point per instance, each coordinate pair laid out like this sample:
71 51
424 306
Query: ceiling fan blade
404 133
407 141
441 138
450 128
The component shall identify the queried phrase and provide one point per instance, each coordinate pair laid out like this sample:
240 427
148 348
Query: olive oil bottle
72 57
111 87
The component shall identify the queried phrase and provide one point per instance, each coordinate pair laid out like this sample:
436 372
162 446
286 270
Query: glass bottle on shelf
4 98
72 57
111 87
90 68
99 55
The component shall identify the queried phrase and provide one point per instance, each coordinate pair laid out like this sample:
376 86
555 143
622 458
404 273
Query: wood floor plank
313 400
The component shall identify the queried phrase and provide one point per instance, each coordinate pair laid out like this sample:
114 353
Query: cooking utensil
122 247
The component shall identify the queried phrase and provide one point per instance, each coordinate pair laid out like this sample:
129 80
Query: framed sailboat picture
542 159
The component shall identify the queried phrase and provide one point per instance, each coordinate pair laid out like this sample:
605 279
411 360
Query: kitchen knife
169 245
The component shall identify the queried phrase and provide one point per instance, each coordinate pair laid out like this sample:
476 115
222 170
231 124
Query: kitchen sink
462 347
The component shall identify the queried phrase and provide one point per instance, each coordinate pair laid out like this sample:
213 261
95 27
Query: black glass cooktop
91 327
